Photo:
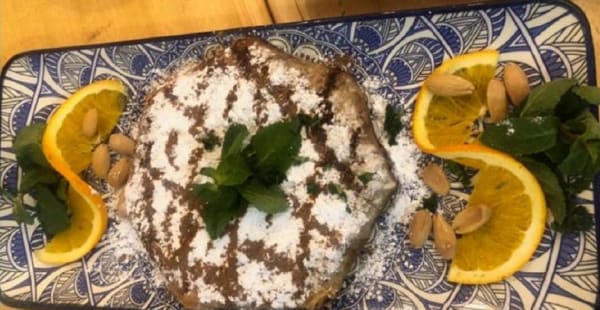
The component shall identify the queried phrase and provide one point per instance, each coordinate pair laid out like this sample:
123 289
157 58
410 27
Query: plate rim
567 4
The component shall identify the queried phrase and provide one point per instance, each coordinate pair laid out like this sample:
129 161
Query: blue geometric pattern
549 39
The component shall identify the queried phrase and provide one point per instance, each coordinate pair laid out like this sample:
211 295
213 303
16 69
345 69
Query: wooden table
34 24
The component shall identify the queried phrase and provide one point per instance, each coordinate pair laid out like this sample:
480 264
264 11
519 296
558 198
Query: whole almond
448 85
496 101
119 173
89 123
516 82
121 144
434 177
420 227
471 218
101 161
444 237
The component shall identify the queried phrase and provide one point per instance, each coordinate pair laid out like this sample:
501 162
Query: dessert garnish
41 181
392 123
545 152
249 174
556 136
51 157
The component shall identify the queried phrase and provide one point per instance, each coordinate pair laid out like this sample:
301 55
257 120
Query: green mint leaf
593 148
543 99
275 147
571 129
431 202
232 170
267 199
28 146
61 189
555 197
210 140
312 188
223 207
209 172
19 212
570 106
271 177
589 124
521 136
206 191
35 176
366 177
578 219
579 135
588 168
577 161
558 152
336 189
51 212
589 94
392 123
234 140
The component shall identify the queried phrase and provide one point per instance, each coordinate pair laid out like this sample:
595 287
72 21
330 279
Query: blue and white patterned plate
549 38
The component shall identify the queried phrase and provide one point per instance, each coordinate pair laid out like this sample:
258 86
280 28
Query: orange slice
69 152
441 121
65 147
508 240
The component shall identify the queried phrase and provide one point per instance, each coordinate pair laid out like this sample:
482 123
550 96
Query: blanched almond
420 227
434 177
119 173
444 237
89 123
449 85
496 101
101 161
516 82
471 218
121 144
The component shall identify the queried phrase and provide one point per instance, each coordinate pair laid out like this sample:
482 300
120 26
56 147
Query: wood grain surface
34 24
38 24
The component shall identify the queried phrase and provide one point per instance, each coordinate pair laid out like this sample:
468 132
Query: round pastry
293 259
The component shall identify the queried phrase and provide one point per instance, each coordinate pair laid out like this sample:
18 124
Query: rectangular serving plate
550 38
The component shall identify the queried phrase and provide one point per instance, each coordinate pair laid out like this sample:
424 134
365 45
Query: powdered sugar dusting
242 111
215 255
125 248
404 159
263 283
337 134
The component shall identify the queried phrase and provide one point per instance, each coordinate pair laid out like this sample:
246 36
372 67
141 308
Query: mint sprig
250 174
39 180
558 139
392 123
